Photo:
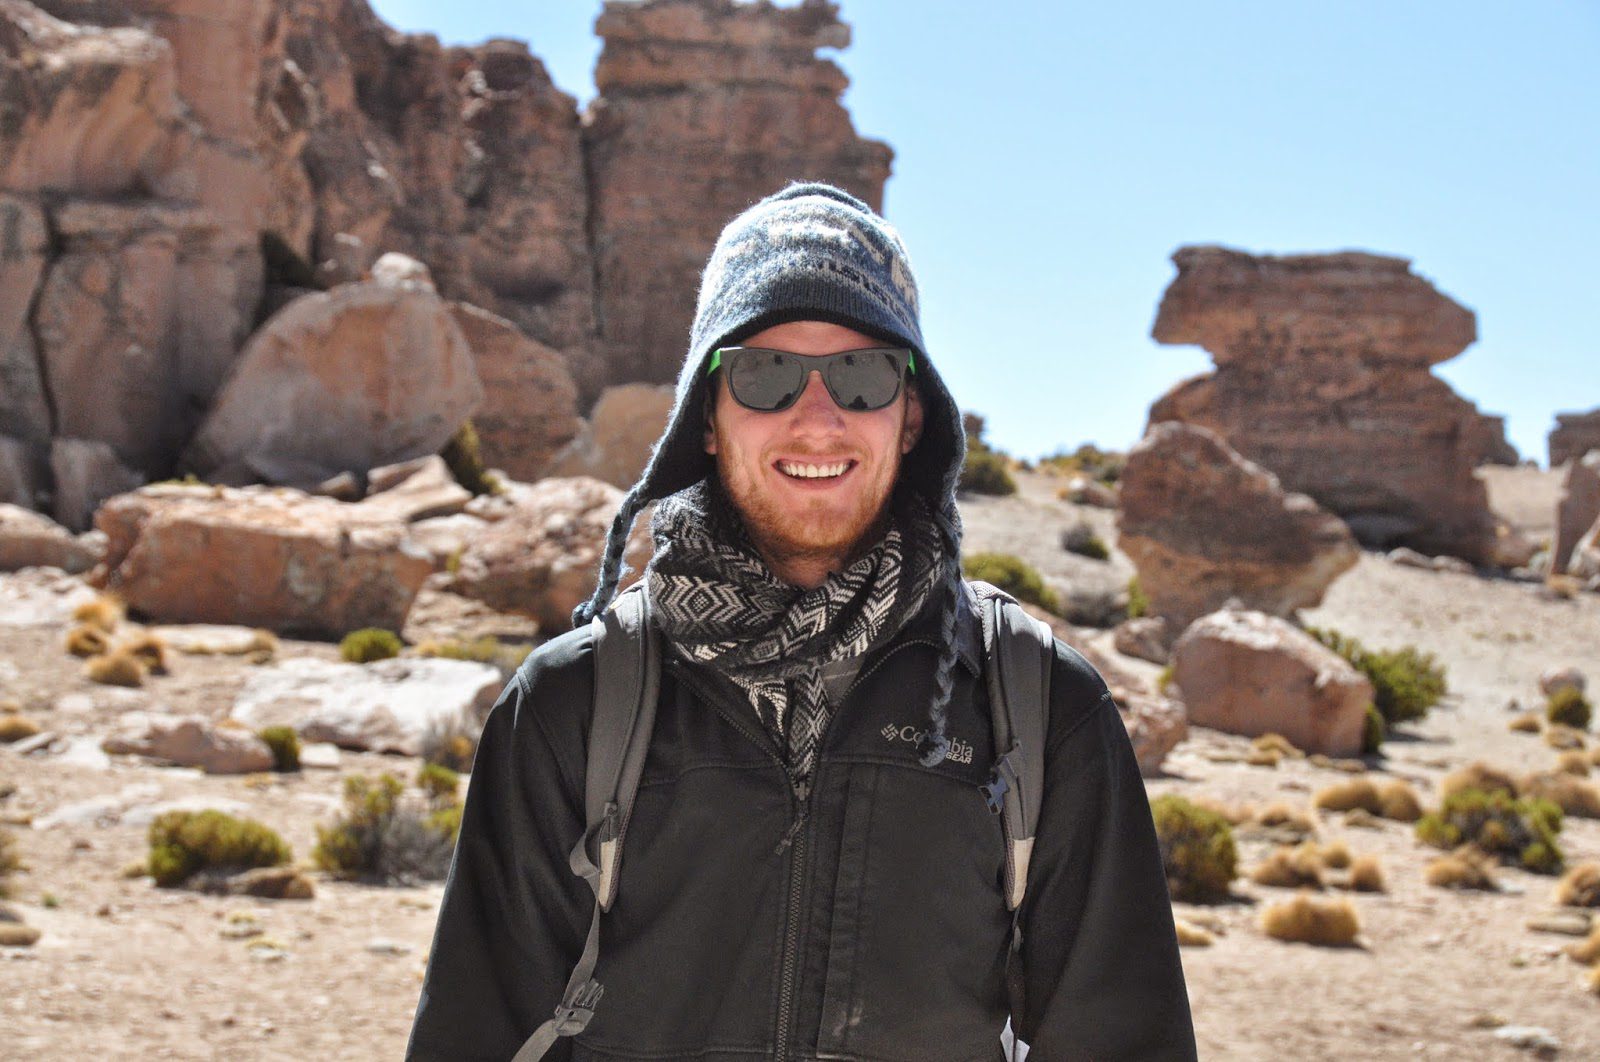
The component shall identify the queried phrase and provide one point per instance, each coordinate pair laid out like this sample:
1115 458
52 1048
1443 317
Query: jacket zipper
801 794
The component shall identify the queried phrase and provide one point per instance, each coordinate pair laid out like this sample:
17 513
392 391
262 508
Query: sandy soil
127 970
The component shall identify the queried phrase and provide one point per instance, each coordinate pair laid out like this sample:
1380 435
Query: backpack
1019 652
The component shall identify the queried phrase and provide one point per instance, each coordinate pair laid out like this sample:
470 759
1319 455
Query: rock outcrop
1322 377
1203 525
1577 510
614 443
1574 435
1249 673
28 540
530 403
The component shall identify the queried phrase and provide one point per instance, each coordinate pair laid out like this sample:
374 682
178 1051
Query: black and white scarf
720 605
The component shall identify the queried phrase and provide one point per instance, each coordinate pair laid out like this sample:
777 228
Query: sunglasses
771 380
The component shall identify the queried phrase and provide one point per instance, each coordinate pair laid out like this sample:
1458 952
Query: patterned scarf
719 605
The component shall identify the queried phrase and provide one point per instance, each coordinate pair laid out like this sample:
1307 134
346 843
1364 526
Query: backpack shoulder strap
1019 654
627 680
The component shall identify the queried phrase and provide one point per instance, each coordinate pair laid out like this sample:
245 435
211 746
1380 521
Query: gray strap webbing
627 662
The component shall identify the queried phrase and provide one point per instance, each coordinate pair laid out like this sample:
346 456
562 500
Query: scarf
719 605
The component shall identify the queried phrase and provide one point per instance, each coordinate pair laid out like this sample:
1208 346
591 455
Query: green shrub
439 782
446 821
378 838
1103 465
1081 539
183 843
285 746
1405 682
1513 829
507 656
465 460
1013 575
1374 731
369 644
985 472
1197 849
1164 680
1569 707
1138 604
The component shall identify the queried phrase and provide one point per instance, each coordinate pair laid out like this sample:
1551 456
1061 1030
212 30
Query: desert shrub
1281 816
464 458
1526 723
1580 886
1465 868
104 612
1104 465
1262 758
285 746
1373 731
116 669
369 644
1573 762
10 862
1309 920
1270 742
1572 795
1398 801
1366 874
1197 849
451 742
1344 796
439 782
1191 935
151 650
183 843
87 640
446 821
1290 867
1587 950
377 837
1081 539
1138 603
985 472
1569 707
1516 829
1335 855
485 650
1477 775
1013 575
1561 736
1164 680
1405 681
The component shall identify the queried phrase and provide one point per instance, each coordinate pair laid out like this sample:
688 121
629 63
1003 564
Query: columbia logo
960 751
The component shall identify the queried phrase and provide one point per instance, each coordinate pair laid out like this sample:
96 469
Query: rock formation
1577 510
1203 525
177 176
1322 377
1575 434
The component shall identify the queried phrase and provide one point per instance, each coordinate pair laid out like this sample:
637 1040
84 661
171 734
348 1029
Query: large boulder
258 556
367 374
1203 525
190 741
614 444
541 555
85 473
529 408
1250 673
1577 510
414 490
24 246
1323 379
386 706
680 82
1574 435
28 540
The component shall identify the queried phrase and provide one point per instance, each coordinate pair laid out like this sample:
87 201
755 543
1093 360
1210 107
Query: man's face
821 519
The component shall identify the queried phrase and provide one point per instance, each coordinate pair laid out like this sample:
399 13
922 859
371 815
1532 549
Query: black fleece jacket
863 919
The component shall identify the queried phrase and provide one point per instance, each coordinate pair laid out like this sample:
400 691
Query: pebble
1570 923
1530 1038
383 946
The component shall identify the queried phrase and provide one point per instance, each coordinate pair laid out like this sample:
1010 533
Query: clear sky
1051 156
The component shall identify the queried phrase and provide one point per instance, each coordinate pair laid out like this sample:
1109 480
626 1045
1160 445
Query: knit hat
810 252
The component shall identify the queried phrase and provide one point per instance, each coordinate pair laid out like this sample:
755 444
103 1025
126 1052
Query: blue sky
1051 156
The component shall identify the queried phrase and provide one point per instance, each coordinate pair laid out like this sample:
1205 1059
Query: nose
815 405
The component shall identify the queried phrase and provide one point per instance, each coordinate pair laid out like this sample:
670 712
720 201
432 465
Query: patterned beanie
810 252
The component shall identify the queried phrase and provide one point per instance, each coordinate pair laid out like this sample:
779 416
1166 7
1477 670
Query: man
812 870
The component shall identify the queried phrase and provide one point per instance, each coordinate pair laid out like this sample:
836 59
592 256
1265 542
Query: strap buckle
995 789
574 1012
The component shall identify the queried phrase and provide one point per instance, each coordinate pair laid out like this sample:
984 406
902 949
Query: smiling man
813 869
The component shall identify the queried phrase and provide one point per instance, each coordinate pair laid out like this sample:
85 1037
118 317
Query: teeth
792 468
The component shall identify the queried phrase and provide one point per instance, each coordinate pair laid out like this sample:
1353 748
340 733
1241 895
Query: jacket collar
925 626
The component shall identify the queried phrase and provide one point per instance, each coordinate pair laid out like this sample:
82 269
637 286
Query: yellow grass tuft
1262 758
1309 920
1366 874
1527 723
104 612
1290 867
1571 794
1271 742
151 650
1191 935
1393 799
87 640
1573 762
1336 855
1236 814
1558 736
1477 775
1580 886
1282 815
14 727
1465 868
1361 818
116 669
1587 950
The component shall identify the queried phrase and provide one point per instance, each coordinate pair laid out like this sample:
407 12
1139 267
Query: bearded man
813 871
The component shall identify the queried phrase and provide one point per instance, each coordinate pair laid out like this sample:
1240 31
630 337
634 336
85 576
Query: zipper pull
802 790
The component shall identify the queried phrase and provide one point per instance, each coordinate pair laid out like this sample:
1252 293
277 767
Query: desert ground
124 969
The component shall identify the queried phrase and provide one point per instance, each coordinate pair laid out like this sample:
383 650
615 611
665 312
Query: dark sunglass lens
765 379
864 380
